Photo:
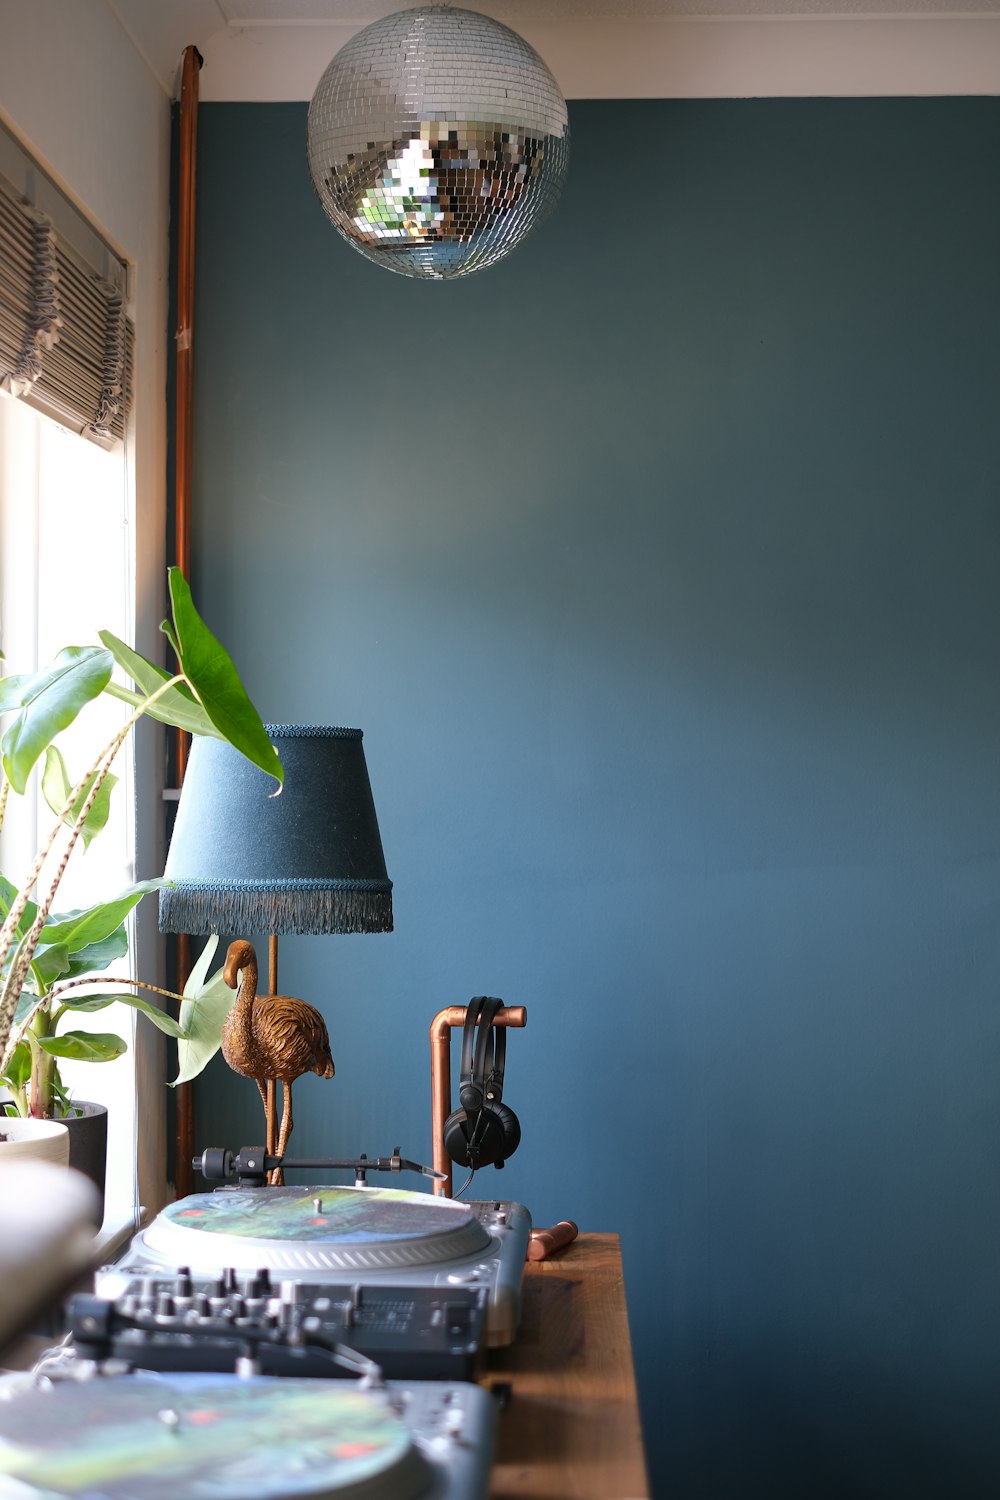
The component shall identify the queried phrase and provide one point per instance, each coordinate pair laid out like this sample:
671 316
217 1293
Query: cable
465 1184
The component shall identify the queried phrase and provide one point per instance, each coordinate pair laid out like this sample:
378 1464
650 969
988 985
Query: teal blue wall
660 566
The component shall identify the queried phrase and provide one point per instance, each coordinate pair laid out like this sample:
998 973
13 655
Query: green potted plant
53 965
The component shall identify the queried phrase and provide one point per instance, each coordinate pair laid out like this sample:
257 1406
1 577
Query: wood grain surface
571 1429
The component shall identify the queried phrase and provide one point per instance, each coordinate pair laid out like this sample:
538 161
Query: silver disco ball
437 139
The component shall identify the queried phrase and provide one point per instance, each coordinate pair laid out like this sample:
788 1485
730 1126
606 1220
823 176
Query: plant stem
140 984
43 1068
98 769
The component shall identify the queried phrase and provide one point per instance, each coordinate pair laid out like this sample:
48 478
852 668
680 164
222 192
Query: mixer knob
183 1286
458 1318
291 1300
165 1306
258 1285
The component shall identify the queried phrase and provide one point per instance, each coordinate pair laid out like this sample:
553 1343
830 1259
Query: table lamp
307 860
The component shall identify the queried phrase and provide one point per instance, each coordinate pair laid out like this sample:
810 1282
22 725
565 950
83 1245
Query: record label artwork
347 1214
149 1438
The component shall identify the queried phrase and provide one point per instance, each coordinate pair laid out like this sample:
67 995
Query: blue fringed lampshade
307 860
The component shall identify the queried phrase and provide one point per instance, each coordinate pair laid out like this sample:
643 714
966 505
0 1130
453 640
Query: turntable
321 1235
149 1437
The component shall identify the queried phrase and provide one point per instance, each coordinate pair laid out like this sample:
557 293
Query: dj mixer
371 1236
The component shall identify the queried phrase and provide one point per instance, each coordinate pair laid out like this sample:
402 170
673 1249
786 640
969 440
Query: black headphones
484 1130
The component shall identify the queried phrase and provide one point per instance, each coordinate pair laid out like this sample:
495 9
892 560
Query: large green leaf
209 669
177 707
56 788
202 1012
19 1067
138 1002
79 929
48 702
83 1046
26 1007
57 962
8 895
50 964
97 956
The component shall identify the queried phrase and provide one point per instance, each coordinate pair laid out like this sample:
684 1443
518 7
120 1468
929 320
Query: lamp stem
277 1177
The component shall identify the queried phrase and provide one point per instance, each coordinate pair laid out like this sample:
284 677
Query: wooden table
571 1430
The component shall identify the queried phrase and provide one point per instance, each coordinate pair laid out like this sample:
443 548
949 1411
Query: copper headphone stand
543 1242
444 1023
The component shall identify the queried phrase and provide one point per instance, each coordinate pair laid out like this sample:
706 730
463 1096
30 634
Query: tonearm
251 1165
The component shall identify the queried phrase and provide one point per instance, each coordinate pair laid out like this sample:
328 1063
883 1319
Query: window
66 562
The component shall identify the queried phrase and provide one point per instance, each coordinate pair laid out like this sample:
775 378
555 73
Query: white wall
680 57
76 92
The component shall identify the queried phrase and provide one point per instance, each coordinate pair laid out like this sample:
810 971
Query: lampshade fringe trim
357 906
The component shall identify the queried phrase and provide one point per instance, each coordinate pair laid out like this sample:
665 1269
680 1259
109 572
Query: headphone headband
484 1130
478 1029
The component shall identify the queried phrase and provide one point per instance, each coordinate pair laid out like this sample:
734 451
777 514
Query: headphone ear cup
453 1135
478 1135
511 1127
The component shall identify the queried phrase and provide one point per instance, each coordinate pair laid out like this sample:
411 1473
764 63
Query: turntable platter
152 1438
314 1229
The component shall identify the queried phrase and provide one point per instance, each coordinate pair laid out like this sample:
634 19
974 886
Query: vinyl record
313 1229
206 1437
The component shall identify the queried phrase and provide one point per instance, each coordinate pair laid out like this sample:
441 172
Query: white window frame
66 512
97 121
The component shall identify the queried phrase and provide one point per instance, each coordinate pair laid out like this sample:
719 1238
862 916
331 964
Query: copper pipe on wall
443 1024
183 470
186 185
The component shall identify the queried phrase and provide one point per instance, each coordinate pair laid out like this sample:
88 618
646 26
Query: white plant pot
33 1140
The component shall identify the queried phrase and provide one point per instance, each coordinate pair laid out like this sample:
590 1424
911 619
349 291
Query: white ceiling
242 38
237 12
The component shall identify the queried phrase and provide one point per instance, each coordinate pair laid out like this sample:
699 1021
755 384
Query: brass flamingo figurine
271 1038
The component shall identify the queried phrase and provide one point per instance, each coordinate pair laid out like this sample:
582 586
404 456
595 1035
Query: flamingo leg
286 1119
275 1178
270 1110
263 1092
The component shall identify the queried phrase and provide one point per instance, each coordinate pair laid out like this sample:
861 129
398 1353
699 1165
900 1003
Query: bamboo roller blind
66 344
